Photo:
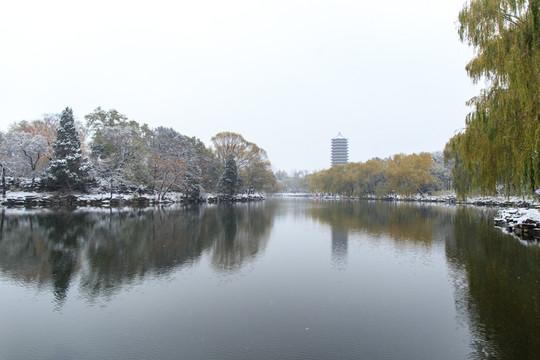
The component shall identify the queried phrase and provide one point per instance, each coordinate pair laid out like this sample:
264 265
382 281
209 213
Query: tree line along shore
114 155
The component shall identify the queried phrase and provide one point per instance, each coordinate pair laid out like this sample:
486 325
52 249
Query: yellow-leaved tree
409 174
254 168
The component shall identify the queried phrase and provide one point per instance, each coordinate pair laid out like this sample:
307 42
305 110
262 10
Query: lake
279 279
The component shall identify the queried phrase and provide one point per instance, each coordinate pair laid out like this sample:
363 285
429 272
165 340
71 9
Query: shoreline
523 223
487 201
516 216
519 217
36 200
48 200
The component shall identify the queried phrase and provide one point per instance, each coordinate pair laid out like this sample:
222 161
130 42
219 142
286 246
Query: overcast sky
287 75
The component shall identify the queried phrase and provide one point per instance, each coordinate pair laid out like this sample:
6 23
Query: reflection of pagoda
339 245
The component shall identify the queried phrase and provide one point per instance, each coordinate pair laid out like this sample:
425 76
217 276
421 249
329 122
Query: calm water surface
282 279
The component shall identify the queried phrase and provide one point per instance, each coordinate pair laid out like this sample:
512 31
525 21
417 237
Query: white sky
287 75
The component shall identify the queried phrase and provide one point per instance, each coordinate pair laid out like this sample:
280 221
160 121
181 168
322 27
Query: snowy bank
41 199
525 223
47 200
490 201
214 199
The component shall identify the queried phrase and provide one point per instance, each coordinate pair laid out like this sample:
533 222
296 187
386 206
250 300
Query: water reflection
495 278
413 223
240 234
499 290
340 240
111 249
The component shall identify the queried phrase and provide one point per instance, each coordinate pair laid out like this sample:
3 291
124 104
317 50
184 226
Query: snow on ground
93 196
520 215
22 194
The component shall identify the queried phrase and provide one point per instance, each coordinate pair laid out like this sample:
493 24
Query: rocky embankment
44 200
476 201
524 223
71 200
445 199
214 199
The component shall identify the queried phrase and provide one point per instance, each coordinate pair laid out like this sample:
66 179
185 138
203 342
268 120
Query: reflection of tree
61 231
400 221
62 266
339 245
24 253
229 224
243 230
227 252
42 249
2 223
113 249
128 246
502 301
496 277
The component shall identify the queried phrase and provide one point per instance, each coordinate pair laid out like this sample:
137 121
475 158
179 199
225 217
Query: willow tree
501 143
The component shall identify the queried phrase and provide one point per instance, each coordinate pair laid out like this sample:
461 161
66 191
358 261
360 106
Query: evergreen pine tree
192 181
228 181
68 170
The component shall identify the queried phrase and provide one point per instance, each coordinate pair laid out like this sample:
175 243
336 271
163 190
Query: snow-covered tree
3 165
228 182
45 127
120 155
100 119
3 170
208 171
25 154
441 172
69 169
99 122
173 163
118 148
192 180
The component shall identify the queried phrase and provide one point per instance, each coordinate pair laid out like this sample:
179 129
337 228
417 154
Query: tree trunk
111 187
3 181
2 223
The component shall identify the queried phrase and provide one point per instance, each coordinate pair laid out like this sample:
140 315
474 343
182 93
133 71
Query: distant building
340 150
